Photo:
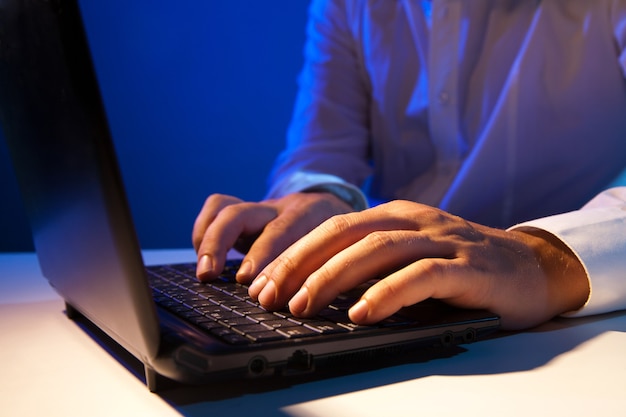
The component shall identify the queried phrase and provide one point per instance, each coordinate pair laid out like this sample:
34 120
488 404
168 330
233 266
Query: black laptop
180 329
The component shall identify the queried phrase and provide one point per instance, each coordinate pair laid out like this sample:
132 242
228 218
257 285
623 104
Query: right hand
261 230
525 276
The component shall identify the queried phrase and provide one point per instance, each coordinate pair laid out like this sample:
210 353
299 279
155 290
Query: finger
375 255
211 207
447 279
283 277
291 224
230 223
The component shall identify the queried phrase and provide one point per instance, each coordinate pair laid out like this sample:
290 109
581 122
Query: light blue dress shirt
500 111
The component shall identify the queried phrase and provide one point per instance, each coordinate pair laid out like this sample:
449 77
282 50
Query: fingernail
358 312
205 266
299 301
267 296
257 285
244 270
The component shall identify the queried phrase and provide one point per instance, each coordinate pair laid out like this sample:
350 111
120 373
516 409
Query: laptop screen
57 134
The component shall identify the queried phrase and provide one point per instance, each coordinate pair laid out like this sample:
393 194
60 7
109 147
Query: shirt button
444 97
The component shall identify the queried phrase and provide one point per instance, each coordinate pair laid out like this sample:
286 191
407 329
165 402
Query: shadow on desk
505 352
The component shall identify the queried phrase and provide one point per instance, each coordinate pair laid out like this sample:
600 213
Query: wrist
349 195
567 282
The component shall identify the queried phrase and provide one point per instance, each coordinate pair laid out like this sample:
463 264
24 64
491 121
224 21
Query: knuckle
279 225
217 202
323 279
340 223
387 290
214 200
215 197
230 211
432 268
380 241
285 266
237 210
434 216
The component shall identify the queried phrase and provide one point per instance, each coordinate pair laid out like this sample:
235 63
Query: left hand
525 277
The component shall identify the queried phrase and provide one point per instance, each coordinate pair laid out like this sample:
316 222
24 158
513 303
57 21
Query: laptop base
300 369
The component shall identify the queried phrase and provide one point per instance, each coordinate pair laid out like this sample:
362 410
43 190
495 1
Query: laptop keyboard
223 308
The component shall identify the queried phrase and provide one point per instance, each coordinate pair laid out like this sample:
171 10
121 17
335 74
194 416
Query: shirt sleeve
318 182
329 130
597 235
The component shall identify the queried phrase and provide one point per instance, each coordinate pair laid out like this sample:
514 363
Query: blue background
198 93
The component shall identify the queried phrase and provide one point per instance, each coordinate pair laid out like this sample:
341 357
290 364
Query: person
481 127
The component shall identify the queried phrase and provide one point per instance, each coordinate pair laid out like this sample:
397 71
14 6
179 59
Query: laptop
180 329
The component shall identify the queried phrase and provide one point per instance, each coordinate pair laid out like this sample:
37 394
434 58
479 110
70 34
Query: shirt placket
443 64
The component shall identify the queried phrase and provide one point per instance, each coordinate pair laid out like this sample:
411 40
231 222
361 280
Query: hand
525 277
262 230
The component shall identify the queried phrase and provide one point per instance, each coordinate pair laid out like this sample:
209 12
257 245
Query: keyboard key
250 310
208 324
250 329
296 332
235 339
235 321
209 309
260 317
266 336
277 324
325 327
229 336
354 327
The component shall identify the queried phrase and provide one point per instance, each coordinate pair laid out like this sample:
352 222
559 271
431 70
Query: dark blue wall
198 93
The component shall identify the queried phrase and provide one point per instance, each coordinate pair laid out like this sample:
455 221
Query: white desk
50 366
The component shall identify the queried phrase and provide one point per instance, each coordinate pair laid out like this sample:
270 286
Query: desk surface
51 366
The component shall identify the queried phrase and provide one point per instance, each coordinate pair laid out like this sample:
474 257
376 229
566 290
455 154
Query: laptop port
469 336
447 339
257 366
300 362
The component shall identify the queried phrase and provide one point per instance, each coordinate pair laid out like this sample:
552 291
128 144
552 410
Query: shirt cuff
317 182
597 237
